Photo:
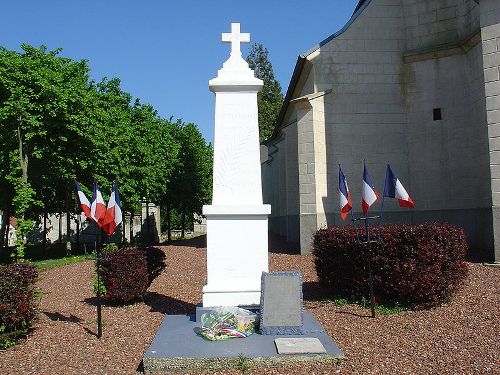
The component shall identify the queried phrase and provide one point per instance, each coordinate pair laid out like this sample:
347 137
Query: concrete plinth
176 348
236 254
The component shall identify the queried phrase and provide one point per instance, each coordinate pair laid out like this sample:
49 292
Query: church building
410 83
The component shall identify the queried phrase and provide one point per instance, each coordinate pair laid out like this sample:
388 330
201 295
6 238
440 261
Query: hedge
17 301
418 266
127 273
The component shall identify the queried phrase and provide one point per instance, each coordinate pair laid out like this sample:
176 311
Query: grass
386 309
48 264
242 363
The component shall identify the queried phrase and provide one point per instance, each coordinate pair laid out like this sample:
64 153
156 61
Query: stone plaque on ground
294 345
281 303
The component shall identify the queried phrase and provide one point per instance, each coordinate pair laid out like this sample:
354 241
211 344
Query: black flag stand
367 243
98 294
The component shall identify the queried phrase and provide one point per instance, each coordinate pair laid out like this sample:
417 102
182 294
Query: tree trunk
60 226
148 223
169 223
183 223
45 217
77 220
131 227
5 239
68 224
23 157
3 229
124 238
141 237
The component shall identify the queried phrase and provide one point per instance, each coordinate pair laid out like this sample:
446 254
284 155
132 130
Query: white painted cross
235 38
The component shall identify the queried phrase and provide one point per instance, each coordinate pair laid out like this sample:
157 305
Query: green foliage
270 98
110 247
9 339
48 264
242 363
23 228
190 185
386 309
98 286
52 115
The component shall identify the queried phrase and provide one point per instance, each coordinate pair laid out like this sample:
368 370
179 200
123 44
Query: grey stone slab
176 346
281 303
302 345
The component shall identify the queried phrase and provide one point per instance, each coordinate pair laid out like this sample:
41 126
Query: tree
57 125
270 98
40 99
191 184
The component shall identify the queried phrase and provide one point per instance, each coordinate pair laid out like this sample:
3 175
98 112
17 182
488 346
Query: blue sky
165 52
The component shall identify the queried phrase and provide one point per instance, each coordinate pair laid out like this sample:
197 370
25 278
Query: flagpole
99 303
381 208
367 180
383 198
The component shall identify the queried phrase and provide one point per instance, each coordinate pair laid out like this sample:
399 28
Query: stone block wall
144 228
436 23
490 40
384 77
365 117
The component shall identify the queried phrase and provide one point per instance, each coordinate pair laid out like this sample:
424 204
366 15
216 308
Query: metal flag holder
367 242
98 246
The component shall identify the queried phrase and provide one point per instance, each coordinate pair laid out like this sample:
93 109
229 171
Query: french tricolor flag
113 216
84 202
369 194
344 196
97 207
394 189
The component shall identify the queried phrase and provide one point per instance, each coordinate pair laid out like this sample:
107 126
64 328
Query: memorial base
237 254
177 348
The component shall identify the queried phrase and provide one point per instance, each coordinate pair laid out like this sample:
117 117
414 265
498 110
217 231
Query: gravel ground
457 338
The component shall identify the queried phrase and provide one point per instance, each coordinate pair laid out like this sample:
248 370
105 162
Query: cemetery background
153 159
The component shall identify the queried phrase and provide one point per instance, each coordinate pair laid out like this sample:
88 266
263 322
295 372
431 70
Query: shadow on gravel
367 315
168 305
199 242
312 291
58 317
157 302
140 369
279 245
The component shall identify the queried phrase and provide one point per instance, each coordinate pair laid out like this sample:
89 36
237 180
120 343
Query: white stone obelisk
237 232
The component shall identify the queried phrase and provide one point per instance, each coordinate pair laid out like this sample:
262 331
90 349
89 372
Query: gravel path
457 338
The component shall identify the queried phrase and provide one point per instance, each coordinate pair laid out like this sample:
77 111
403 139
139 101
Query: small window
436 114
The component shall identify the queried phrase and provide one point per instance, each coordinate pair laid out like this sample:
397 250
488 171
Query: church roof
301 61
360 4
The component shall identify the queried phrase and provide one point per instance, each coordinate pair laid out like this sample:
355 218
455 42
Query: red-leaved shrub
415 265
127 273
17 301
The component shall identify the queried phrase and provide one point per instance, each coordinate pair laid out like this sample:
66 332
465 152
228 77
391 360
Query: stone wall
384 78
145 228
364 116
438 23
490 40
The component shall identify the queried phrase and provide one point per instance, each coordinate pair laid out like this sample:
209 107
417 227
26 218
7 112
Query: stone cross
235 38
